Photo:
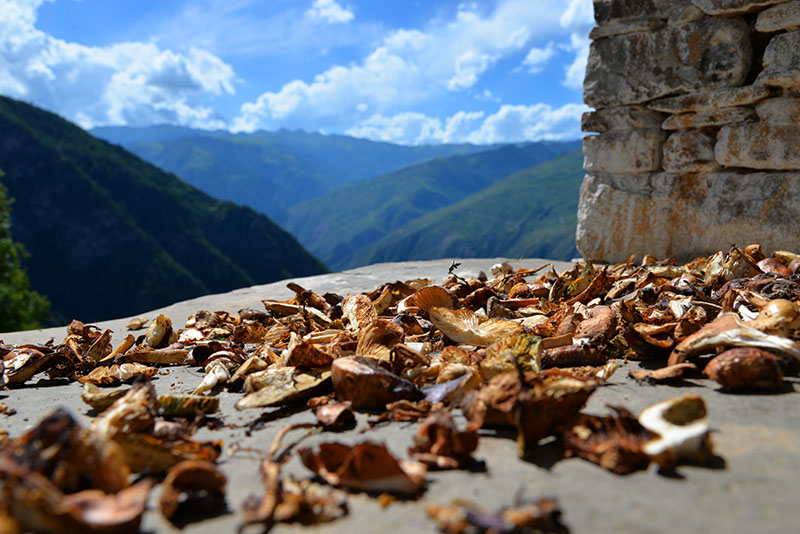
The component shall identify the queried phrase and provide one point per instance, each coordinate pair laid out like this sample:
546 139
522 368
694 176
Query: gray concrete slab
749 489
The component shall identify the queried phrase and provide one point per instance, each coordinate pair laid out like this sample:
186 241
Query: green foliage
531 213
340 225
20 307
270 171
110 235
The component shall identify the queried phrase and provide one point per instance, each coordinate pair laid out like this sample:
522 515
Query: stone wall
697 121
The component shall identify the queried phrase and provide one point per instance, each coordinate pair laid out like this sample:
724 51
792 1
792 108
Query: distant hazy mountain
110 235
530 214
270 171
341 225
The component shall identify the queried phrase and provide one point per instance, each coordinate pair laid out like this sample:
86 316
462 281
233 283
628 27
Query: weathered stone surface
759 146
621 27
733 7
690 151
701 119
612 10
635 151
620 119
781 17
623 215
679 11
637 67
779 111
712 100
782 61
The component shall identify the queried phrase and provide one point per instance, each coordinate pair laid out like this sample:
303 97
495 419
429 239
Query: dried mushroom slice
463 326
137 323
22 363
158 332
306 355
285 385
366 385
683 434
99 399
665 374
612 442
116 374
729 331
377 340
336 416
135 412
546 406
146 355
462 517
70 457
146 453
432 297
779 316
439 444
38 506
746 368
309 503
193 489
358 312
506 354
186 405
367 466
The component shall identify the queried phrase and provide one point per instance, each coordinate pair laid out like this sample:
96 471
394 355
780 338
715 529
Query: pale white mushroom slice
682 429
464 326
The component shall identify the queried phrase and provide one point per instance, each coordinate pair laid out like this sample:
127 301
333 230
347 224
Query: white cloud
578 18
536 59
330 11
530 123
579 14
406 68
509 124
468 67
576 70
124 83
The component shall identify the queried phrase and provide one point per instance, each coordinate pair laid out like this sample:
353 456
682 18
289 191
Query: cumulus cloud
329 11
406 68
578 19
510 123
123 83
537 58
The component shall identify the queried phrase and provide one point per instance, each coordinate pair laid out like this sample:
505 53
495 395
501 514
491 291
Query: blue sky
405 71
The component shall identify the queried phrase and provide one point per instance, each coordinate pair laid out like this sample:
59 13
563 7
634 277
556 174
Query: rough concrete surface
749 488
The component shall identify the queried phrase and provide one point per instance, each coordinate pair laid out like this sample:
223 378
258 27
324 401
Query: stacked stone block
696 127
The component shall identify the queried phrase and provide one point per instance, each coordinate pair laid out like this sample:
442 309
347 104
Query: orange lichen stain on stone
697 46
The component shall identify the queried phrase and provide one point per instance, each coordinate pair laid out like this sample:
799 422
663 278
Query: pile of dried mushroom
524 349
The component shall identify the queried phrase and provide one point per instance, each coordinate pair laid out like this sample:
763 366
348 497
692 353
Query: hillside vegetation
110 235
270 171
530 214
341 225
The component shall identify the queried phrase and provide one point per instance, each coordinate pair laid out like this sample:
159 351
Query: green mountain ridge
532 213
110 235
339 225
270 171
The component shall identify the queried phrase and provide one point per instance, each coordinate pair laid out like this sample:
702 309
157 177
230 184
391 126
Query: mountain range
341 225
110 235
270 171
529 214
342 197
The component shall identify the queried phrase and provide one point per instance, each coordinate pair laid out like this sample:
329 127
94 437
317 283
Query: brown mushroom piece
193 489
367 466
746 368
367 385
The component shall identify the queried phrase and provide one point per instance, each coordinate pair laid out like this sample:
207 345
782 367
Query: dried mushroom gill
524 350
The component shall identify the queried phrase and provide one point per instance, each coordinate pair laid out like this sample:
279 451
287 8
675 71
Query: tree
20 307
